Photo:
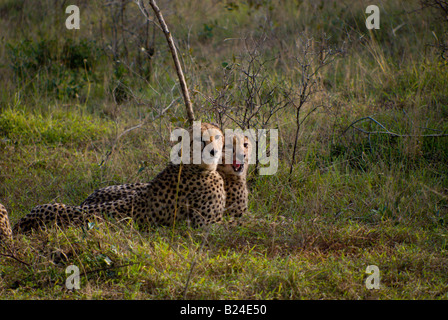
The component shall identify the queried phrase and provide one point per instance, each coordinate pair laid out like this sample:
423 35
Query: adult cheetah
184 191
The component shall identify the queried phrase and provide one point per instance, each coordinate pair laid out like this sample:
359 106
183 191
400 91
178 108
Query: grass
353 199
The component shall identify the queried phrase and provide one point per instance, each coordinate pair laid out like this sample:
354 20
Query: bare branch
10 253
387 131
173 50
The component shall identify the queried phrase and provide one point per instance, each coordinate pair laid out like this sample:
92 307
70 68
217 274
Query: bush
59 69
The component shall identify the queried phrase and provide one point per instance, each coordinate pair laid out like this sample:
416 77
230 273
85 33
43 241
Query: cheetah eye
246 145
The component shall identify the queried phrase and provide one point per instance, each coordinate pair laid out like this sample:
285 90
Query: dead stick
173 50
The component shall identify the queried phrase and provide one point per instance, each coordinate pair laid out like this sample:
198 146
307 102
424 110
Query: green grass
56 128
353 199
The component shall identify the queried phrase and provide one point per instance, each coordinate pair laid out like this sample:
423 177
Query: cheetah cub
234 175
184 191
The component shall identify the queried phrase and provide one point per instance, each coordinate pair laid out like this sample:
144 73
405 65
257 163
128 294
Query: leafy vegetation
83 109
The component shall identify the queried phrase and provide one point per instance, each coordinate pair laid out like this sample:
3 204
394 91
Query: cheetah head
212 142
241 150
200 145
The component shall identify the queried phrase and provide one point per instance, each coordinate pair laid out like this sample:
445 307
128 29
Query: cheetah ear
178 128
216 125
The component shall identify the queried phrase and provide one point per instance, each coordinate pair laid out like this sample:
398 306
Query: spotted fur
234 175
5 228
193 192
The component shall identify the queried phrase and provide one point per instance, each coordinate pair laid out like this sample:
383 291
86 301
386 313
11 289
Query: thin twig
400 135
109 268
386 130
180 74
145 121
11 254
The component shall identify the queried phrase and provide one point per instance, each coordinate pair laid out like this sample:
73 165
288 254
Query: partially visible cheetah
192 192
5 228
234 175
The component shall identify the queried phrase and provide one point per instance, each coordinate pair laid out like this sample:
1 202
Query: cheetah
5 228
234 176
184 191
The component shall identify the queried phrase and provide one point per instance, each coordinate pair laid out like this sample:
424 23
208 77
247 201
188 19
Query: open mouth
237 167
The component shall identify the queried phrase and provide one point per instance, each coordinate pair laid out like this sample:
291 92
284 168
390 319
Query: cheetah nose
240 157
